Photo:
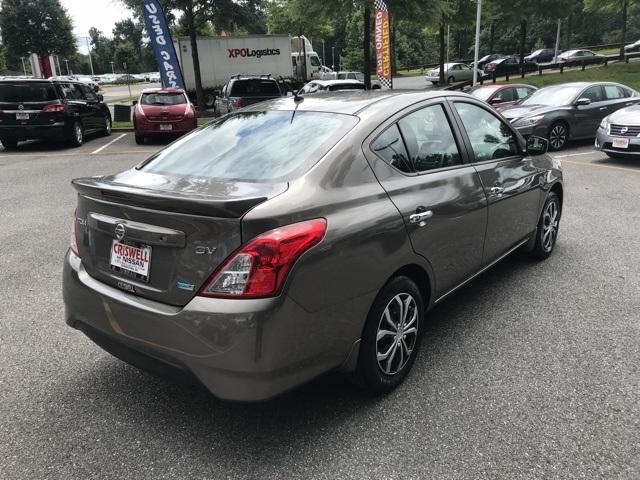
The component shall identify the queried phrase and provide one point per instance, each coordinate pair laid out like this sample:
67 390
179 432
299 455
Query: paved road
531 372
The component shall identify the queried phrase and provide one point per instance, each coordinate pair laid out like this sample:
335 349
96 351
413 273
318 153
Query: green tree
125 56
36 26
3 63
614 6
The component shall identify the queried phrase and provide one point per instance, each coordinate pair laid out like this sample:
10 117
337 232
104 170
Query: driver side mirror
537 146
134 103
495 100
583 101
100 98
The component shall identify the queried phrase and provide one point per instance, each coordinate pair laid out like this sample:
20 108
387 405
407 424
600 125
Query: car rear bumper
154 128
54 131
245 350
604 143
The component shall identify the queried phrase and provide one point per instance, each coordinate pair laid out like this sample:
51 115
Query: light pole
89 52
67 62
323 62
333 58
448 32
555 57
477 46
113 69
58 62
24 67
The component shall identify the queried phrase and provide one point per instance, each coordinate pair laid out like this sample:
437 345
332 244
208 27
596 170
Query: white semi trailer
222 57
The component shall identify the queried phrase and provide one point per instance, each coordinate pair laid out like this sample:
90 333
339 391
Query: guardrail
604 60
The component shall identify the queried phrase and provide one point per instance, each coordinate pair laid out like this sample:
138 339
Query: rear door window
613 92
88 93
429 139
27 92
523 92
71 91
253 146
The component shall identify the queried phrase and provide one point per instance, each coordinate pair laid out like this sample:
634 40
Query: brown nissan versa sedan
299 236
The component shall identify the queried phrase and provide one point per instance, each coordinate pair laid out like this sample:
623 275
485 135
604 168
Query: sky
102 14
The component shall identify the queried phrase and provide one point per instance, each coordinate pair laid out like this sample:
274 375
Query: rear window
253 146
254 88
163 99
346 86
27 92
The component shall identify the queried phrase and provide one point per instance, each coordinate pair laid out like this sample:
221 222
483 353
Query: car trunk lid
160 237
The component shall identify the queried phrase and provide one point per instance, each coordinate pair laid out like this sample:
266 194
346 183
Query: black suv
243 90
50 110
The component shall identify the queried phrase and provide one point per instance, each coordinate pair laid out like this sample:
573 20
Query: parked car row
571 111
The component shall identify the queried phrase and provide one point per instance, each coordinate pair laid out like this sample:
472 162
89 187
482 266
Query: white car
577 55
632 47
323 86
453 72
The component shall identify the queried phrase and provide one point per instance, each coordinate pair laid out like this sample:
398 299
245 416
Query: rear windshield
346 86
163 99
27 92
253 146
254 88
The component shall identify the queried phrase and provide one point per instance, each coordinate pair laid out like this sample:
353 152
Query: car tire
139 139
548 226
451 79
558 135
435 83
106 131
77 135
9 144
209 100
375 371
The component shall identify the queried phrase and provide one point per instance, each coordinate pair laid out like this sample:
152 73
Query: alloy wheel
558 136
107 125
397 333
77 132
550 222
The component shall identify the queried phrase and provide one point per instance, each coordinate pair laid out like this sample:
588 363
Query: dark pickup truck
241 91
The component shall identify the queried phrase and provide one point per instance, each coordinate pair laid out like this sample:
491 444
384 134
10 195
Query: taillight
53 107
73 241
238 103
260 267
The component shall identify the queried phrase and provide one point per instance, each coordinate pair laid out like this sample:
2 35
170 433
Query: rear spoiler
192 203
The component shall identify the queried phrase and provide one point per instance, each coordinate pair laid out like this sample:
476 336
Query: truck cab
310 69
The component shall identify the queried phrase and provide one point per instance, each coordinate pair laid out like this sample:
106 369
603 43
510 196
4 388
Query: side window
506 95
455 67
625 93
429 139
523 92
76 93
490 137
613 92
593 93
390 148
315 62
88 93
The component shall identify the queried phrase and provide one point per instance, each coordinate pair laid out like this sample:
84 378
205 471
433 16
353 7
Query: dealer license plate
620 143
22 116
166 127
130 260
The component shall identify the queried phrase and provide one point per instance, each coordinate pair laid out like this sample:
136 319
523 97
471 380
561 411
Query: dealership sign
383 44
160 38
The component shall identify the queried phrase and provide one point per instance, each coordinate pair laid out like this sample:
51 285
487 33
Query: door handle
420 217
497 191
603 108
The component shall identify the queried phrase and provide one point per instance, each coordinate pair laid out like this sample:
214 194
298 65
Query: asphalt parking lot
530 372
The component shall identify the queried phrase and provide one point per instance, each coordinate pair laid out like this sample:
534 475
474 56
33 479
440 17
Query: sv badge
205 250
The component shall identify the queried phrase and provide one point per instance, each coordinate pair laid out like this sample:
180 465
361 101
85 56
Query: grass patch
410 73
127 100
201 121
625 73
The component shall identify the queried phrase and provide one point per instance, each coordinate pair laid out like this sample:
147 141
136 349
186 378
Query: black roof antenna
298 99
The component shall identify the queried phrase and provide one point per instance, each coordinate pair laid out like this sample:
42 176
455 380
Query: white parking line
108 144
587 152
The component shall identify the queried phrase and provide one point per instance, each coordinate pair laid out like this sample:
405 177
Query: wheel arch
420 277
558 190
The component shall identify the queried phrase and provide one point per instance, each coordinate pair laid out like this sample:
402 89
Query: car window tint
612 92
523 92
593 93
27 92
89 94
251 88
71 91
490 137
429 139
506 95
390 148
159 98
258 146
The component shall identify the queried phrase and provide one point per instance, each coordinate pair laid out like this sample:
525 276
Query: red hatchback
163 111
